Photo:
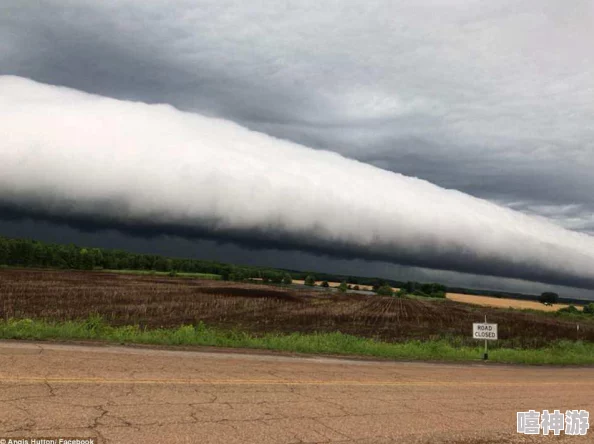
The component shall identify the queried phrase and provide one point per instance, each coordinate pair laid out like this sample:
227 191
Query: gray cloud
151 169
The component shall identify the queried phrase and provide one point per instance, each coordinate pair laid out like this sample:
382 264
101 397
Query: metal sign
482 330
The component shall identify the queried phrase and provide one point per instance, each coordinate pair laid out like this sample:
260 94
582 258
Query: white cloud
67 152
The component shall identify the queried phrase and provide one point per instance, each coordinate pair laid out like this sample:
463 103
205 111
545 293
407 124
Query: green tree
310 281
86 259
287 280
549 298
237 276
342 287
97 257
589 308
3 252
276 278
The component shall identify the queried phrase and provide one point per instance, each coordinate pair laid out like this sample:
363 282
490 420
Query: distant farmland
490 301
162 301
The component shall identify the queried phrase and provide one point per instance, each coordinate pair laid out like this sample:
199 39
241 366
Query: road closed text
484 331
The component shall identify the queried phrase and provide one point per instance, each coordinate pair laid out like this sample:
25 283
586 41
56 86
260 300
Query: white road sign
482 330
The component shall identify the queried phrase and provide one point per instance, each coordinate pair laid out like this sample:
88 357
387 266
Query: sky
442 139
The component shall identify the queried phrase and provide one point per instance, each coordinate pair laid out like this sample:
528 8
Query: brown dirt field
488 301
159 301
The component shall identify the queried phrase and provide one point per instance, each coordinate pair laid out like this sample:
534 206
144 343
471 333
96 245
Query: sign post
485 331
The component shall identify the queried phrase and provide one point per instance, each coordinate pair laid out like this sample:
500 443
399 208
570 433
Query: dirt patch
248 292
152 301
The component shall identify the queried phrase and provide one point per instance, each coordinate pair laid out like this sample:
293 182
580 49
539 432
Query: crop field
162 301
489 301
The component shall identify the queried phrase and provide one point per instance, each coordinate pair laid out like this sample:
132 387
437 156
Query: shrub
570 309
325 284
434 294
589 308
94 323
310 280
385 290
342 287
356 287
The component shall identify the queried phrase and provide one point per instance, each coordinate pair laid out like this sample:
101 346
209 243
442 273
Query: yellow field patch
489 301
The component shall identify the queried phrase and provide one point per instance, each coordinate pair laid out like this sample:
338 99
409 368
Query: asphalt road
132 395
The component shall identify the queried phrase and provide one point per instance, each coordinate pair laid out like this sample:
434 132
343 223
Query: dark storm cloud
459 260
292 260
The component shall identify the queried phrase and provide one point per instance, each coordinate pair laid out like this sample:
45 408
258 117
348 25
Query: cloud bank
72 156
495 99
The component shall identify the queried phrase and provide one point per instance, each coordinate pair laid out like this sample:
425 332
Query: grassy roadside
560 353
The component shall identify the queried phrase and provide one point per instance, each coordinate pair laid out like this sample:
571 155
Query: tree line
28 253
17 252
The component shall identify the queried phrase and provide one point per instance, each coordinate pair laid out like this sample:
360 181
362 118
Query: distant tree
163 264
86 259
549 297
385 290
225 275
310 281
410 286
342 287
432 288
325 284
377 284
287 279
589 309
237 276
276 278
3 253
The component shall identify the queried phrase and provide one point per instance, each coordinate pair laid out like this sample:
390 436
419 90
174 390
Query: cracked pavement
127 394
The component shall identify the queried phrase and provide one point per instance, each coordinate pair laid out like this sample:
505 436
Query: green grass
560 353
208 276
